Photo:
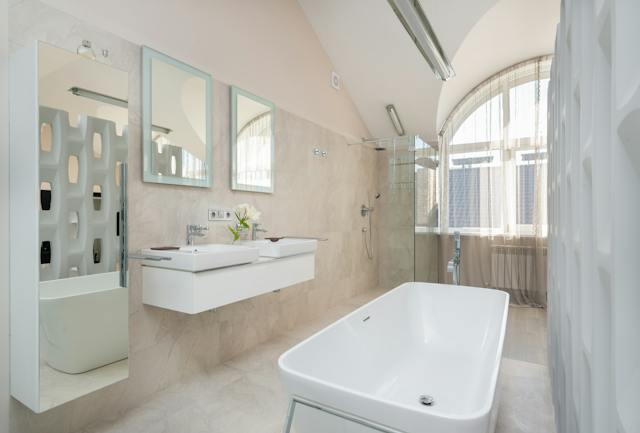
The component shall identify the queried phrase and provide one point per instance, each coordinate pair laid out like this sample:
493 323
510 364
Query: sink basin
283 248
202 257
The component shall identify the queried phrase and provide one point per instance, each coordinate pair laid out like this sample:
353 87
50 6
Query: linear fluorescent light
395 119
162 129
101 97
417 25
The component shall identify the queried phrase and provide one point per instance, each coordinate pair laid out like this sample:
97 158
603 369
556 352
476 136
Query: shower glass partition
408 224
426 213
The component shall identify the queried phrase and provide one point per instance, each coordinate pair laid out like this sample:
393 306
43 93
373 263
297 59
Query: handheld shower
366 211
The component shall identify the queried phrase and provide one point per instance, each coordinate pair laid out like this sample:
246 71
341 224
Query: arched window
494 155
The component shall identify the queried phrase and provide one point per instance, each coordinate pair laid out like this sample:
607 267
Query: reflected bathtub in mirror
84 322
252 142
176 121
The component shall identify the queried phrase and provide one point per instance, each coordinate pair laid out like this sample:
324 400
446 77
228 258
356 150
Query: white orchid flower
248 211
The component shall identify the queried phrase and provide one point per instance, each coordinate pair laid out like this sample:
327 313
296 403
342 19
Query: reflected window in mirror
252 142
176 121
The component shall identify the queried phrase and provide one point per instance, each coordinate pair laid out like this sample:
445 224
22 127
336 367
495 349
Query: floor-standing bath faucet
454 264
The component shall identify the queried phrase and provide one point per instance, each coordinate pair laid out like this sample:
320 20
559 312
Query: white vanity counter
195 292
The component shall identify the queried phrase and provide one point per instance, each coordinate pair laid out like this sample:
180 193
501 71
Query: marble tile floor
244 395
525 387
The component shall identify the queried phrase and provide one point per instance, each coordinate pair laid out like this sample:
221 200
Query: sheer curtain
494 177
254 157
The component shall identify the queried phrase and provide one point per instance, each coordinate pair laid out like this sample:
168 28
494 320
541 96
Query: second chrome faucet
255 228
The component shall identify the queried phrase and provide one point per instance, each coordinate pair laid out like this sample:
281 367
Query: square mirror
176 121
252 142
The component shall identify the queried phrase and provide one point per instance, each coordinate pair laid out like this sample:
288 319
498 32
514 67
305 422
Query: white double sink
205 257
198 278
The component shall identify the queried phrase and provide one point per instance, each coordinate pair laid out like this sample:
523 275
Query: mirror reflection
84 309
176 121
252 142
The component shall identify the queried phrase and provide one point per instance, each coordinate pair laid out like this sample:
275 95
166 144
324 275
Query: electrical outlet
220 214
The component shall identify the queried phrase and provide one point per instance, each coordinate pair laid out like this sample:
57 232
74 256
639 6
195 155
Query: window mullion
508 187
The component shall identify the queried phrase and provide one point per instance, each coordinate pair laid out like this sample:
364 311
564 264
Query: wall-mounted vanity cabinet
69 300
195 292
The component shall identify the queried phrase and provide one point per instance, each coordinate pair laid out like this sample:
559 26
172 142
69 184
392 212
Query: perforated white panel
74 248
168 162
594 215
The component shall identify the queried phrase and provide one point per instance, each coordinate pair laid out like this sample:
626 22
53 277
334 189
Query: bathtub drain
427 400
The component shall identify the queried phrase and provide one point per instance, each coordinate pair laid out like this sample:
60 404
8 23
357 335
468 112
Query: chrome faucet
195 230
255 228
454 264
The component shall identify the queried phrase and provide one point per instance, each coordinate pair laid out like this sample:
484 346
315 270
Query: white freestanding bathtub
84 322
421 339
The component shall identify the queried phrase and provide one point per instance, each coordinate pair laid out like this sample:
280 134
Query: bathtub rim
81 285
485 409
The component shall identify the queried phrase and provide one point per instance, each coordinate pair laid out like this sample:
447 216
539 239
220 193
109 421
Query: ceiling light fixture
395 119
417 25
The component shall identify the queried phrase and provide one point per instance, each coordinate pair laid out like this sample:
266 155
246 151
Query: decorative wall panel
79 221
594 198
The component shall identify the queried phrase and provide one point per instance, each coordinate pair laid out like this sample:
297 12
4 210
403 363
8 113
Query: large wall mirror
252 142
176 117
70 303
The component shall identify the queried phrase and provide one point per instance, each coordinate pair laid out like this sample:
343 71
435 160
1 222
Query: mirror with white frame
176 117
252 142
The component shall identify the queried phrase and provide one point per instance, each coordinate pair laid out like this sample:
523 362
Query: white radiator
513 266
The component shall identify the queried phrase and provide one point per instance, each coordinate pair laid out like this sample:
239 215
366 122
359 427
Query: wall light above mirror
176 121
252 142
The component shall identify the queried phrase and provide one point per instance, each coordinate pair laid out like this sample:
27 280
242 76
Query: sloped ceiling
379 63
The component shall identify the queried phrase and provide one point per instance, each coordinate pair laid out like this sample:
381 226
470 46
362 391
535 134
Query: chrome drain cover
427 400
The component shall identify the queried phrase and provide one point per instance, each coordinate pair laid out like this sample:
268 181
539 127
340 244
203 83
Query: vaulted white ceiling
380 65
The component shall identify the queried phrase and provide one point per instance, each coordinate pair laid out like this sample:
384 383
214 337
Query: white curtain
494 177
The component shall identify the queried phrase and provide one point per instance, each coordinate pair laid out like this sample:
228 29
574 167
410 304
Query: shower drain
427 400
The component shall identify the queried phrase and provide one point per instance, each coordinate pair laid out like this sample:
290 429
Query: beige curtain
494 176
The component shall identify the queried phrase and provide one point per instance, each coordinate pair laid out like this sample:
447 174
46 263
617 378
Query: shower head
378 196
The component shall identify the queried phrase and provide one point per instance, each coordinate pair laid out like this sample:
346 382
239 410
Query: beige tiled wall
314 196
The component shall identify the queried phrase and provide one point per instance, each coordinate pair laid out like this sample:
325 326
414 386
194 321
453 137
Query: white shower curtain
494 177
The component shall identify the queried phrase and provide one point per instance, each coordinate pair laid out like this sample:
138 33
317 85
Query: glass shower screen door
409 217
